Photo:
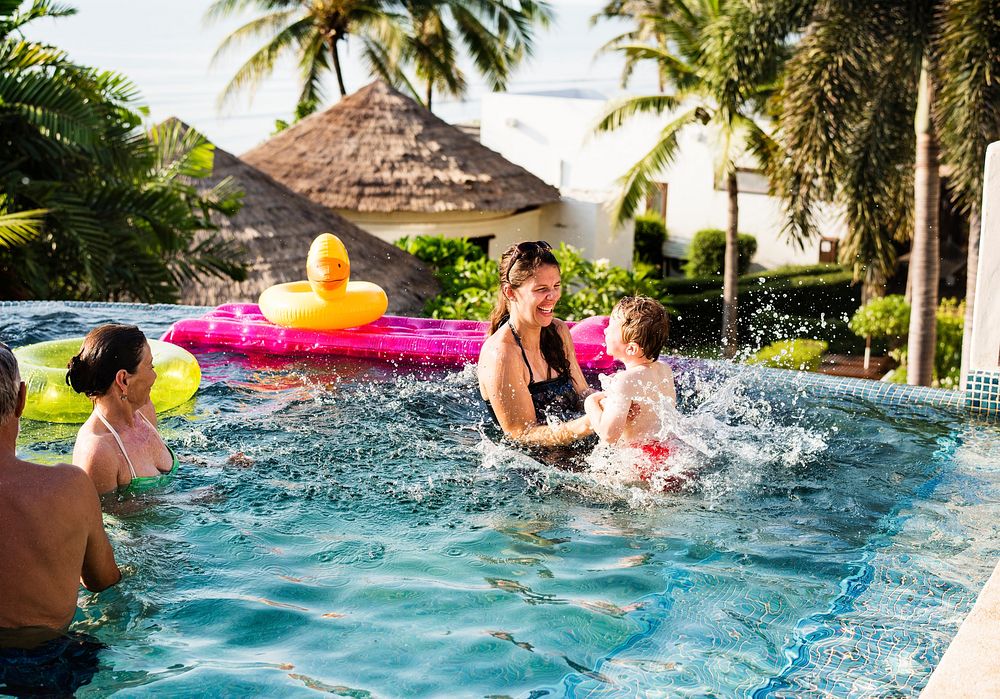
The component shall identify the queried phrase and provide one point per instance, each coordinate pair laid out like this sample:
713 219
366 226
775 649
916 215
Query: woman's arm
504 384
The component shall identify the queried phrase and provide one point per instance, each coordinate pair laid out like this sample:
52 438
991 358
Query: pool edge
968 667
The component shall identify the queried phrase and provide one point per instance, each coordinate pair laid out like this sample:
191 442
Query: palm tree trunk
430 90
335 55
925 262
971 276
730 270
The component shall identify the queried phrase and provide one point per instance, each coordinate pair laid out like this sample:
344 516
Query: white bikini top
118 439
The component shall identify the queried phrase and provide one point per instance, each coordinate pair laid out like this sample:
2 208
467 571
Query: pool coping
969 668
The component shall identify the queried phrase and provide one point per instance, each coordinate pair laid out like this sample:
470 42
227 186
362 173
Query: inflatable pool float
329 300
241 327
50 399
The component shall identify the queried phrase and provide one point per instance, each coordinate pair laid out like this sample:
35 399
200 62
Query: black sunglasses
528 248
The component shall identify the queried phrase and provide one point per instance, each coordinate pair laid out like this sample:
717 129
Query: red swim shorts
657 454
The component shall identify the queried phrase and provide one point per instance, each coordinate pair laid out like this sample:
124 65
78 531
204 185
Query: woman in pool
118 445
528 372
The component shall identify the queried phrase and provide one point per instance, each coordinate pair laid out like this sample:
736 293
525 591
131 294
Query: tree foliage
99 209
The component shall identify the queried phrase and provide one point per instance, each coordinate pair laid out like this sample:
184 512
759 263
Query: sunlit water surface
346 527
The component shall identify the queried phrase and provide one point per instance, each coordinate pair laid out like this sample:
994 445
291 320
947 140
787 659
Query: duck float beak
328 267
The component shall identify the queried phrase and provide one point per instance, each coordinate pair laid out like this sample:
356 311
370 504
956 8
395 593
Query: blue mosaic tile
982 394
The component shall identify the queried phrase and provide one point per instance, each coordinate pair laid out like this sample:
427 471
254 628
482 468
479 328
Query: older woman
118 445
528 372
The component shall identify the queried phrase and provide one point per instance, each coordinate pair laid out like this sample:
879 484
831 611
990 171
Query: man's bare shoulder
62 475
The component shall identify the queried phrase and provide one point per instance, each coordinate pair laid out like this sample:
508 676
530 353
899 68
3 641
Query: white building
552 135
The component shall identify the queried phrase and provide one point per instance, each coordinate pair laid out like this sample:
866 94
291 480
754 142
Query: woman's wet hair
10 383
517 265
106 350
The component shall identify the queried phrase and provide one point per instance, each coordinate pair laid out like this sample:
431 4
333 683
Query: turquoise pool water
345 528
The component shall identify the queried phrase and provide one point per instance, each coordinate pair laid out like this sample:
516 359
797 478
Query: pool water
345 527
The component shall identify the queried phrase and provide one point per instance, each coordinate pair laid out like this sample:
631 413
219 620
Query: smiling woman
528 372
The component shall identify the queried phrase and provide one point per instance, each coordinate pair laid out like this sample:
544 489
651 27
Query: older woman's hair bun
106 350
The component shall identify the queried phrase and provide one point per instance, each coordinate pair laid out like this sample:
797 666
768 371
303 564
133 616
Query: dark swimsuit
553 398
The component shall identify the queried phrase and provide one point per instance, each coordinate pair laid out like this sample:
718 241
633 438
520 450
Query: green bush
772 307
889 318
885 318
804 355
650 234
707 255
594 287
948 348
440 252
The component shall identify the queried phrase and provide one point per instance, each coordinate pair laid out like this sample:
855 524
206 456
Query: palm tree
309 30
847 123
651 17
427 37
96 212
702 96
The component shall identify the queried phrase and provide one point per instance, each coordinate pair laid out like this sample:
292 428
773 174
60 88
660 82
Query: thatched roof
276 227
379 151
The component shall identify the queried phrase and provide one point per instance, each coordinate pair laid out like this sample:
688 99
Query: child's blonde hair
644 322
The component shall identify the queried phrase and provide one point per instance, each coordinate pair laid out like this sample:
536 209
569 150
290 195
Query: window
748 181
828 249
656 200
483 242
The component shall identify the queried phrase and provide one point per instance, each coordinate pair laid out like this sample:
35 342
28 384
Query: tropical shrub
889 318
813 301
117 212
948 348
469 280
707 254
593 287
440 252
800 354
650 234
885 318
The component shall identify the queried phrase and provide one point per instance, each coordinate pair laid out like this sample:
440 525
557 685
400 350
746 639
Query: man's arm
100 571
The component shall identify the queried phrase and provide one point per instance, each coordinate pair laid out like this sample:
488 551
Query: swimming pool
367 541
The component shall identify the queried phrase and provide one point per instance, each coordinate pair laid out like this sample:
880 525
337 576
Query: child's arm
593 407
608 412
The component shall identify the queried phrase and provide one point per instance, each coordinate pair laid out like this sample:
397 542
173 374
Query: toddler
628 412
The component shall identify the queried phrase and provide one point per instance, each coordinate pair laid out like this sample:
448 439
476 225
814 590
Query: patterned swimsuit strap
517 339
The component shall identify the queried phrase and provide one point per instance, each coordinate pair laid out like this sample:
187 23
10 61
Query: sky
166 49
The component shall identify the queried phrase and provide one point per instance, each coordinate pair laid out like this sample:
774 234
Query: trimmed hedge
800 354
650 234
707 255
770 307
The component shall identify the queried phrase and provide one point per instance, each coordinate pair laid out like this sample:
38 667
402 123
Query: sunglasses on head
525 249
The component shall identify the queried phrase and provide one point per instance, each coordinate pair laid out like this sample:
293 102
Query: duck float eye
328 300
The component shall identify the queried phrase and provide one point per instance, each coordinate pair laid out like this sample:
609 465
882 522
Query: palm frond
637 182
622 111
20 227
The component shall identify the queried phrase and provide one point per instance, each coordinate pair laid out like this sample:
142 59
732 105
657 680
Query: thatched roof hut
276 226
378 151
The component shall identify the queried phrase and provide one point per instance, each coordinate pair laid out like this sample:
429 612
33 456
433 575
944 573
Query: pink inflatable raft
240 327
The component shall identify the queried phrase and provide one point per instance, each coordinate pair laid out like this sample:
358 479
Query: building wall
577 221
553 137
982 384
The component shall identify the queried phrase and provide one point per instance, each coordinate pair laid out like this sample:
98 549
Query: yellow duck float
329 300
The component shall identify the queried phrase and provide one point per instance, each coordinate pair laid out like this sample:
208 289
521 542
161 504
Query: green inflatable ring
50 398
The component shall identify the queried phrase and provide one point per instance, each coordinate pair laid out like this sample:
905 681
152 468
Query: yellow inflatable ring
329 300
50 398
